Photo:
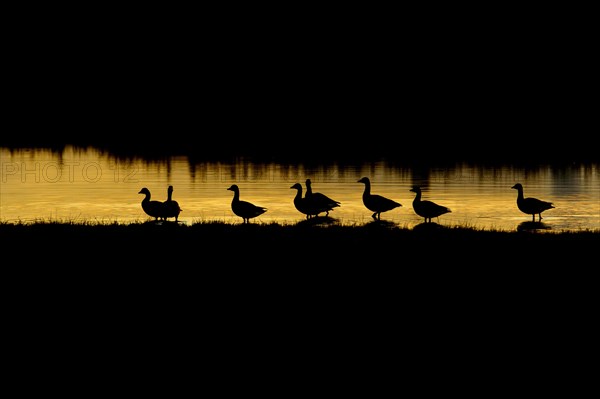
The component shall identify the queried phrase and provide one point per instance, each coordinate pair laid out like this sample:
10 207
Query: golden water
83 185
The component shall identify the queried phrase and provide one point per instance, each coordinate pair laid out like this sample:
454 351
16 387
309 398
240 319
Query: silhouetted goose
531 206
152 207
171 207
374 202
244 209
319 202
427 209
300 203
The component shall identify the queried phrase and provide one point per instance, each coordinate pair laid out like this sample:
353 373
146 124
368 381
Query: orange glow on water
86 185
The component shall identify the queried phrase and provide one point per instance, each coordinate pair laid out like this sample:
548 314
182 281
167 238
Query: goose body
374 202
171 208
152 207
529 205
427 209
319 202
244 209
300 203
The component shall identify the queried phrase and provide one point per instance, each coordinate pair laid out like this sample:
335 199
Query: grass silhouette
332 244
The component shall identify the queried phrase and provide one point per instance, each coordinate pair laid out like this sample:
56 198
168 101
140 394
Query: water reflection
428 226
533 226
319 221
88 185
378 223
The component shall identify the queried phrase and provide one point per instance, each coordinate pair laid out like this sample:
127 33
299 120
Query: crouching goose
374 202
244 209
426 209
319 202
171 208
529 205
152 207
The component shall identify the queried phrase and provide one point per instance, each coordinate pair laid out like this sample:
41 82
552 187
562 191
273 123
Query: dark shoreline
373 269
238 282
280 244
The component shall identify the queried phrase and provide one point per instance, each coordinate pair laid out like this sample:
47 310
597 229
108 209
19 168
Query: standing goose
426 209
244 209
374 202
300 203
171 207
319 202
152 207
531 206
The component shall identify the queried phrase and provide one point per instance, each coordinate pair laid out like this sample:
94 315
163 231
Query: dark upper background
406 84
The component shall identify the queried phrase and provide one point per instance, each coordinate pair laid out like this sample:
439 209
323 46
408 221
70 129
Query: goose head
234 188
